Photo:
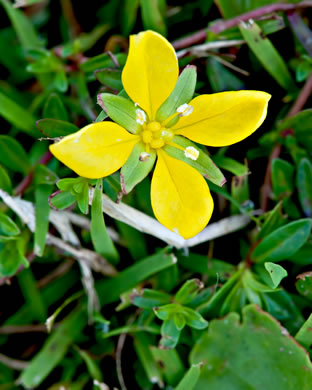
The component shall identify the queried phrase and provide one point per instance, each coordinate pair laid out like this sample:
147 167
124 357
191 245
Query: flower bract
158 124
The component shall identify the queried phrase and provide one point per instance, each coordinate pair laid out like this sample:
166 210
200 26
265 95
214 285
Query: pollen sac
140 116
191 152
185 110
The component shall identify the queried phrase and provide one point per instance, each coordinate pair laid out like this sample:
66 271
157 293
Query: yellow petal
151 71
224 118
95 151
180 196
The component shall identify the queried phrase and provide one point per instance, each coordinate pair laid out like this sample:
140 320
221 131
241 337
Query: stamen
185 110
191 152
140 116
144 156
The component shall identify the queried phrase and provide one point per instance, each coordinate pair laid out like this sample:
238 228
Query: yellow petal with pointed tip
180 196
95 151
151 71
224 118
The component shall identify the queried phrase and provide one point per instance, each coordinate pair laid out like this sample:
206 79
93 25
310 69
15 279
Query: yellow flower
180 196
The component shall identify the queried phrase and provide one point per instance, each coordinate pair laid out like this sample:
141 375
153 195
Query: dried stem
19 365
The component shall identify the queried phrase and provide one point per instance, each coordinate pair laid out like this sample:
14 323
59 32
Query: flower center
154 135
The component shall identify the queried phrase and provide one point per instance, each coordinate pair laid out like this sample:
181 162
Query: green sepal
203 164
182 93
135 170
120 110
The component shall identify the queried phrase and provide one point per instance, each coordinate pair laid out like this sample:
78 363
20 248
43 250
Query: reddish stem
25 183
223 25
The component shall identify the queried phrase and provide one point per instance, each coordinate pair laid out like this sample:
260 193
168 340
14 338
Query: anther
144 156
191 152
140 116
185 110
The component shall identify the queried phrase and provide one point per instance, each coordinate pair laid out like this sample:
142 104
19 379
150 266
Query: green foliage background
87 303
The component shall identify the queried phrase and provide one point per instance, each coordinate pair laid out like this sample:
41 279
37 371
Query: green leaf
282 178
304 185
42 211
44 175
231 165
102 61
54 349
203 163
54 108
22 26
103 244
5 181
283 242
276 272
257 353
121 111
170 334
194 319
13 155
240 192
267 54
7 226
304 284
170 364
82 196
93 368
54 128
11 257
188 291
190 379
273 221
60 81
148 298
220 78
304 335
300 124
62 200
110 78
182 93
152 16
17 115
110 290
238 7
136 167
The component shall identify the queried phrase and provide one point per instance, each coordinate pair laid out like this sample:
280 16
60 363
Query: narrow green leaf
17 116
142 348
283 242
102 61
273 221
182 93
170 364
54 349
103 244
220 78
267 54
110 78
54 128
110 290
202 164
170 334
190 379
42 211
22 26
148 298
304 284
152 16
13 155
231 165
121 111
93 368
276 272
188 291
304 185
129 15
136 167
31 294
